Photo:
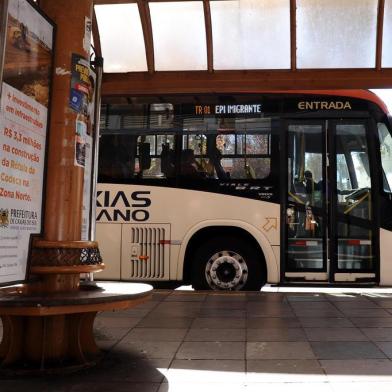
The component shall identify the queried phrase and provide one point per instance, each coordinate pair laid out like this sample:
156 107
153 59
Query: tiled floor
187 341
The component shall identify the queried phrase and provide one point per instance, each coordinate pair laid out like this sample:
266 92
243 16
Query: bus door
330 232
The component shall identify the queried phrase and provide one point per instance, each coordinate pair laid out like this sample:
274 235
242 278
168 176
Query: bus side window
155 158
386 155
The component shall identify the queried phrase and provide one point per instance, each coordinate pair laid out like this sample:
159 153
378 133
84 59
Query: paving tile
205 387
384 303
267 306
227 313
321 306
216 335
211 350
121 366
282 371
289 387
159 295
378 322
154 349
186 297
206 371
361 370
32 385
159 334
305 312
219 322
345 297
116 322
365 312
275 334
106 345
231 296
378 334
279 350
306 298
105 333
361 386
335 334
165 322
360 304
115 386
273 322
266 297
172 305
239 305
385 347
330 322
346 350
271 312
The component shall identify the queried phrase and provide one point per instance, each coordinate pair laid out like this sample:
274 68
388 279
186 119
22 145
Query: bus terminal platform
288 340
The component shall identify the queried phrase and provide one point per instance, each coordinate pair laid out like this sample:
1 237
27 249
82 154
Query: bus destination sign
228 109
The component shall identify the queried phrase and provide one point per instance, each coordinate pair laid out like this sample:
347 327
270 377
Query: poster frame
4 15
3 29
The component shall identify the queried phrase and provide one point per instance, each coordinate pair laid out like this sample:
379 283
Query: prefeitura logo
4 217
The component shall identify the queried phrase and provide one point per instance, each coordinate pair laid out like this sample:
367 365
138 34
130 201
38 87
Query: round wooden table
54 332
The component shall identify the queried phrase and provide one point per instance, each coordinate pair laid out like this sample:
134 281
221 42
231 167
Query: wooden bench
49 333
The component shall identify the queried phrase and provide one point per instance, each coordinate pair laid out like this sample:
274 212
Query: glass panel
361 168
386 155
123 157
342 173
306 190
336 33
122 39
387 34
247 168
179 36
354 213
251 34
226 144
215 156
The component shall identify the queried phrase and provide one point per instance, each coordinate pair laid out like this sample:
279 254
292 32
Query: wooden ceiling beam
293 34
142 83
100 2
208 24
380 29
145 17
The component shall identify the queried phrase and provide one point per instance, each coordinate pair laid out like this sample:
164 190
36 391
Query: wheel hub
226 270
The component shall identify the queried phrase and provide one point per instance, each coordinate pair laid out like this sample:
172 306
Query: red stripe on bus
299 243
164 242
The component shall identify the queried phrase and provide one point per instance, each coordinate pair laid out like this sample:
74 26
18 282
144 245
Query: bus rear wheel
227 263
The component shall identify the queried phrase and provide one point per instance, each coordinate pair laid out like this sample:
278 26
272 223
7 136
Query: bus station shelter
292 339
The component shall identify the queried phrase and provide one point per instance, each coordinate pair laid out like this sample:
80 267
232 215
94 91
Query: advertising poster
23 124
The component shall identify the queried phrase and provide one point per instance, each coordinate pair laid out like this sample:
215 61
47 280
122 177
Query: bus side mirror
144 156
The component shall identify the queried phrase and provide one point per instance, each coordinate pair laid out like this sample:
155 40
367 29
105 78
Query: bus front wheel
227 263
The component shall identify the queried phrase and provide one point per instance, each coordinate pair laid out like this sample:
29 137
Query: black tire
211 252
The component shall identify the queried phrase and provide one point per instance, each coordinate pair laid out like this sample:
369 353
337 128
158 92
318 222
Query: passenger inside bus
168 161
189 166
114 159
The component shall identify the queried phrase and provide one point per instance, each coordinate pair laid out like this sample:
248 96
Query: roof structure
189 46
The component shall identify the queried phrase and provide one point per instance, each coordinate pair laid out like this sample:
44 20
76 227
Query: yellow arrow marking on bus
271 223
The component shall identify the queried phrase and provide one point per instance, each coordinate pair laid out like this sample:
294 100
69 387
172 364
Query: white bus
228 192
